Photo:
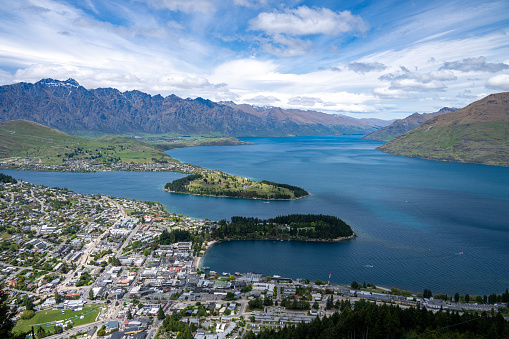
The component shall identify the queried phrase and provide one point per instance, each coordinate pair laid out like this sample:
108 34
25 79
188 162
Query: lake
420 223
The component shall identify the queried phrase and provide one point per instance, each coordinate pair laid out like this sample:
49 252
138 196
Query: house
112 325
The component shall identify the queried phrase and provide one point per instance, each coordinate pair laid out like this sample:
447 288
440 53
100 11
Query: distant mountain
401 126
478 133
67 106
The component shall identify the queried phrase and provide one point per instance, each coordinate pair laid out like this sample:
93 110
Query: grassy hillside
478 133
21 139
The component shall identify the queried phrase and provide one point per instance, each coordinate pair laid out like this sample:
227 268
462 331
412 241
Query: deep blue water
412 216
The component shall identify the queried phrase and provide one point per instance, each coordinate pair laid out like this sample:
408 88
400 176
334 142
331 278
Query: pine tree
160 314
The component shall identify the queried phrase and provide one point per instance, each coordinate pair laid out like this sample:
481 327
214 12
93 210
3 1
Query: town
93 266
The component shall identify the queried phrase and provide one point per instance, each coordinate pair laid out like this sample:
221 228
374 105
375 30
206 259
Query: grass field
47 318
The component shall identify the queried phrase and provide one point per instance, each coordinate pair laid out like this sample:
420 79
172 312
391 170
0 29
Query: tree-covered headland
290 227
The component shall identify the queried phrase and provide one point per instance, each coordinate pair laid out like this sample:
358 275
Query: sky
366 59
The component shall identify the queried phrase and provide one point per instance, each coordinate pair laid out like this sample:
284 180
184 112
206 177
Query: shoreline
223 196
353 236
198 260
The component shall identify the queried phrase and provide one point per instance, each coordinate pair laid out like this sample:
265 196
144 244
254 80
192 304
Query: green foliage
294 226
43 145
28 314
176 235
160 313
7 179
297 191
115 262
173 324
368 320
295 304
225 185
258 303
179 185
6 323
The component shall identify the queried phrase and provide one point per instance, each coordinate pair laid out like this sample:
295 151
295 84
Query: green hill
26 141
478 133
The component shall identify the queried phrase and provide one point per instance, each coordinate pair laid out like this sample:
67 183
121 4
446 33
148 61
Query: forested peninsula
303 227
225 185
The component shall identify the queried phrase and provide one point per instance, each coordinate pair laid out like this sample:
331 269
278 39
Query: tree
102 331
160 313
427 293
28 314
354 285
28 303
41 333
456 297
128 315
58 298
315 305
91 294
467 298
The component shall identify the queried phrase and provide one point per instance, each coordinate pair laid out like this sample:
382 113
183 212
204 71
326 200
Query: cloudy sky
383 59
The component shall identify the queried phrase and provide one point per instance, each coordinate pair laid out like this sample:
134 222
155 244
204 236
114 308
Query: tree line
7 179
180 185
367 320
294 226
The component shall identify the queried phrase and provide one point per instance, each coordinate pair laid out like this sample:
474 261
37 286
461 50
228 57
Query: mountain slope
478 133
67 106
401 126
21 139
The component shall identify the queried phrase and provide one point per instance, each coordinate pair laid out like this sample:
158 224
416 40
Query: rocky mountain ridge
67 106
401 126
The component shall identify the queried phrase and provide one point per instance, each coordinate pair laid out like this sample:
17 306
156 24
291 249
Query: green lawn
46 318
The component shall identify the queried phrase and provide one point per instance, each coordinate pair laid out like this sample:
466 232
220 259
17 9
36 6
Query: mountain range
69 107
401 126
477 133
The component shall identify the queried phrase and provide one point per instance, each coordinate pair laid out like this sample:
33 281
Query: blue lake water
413 217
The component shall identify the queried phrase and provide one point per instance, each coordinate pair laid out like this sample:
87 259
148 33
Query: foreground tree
6 324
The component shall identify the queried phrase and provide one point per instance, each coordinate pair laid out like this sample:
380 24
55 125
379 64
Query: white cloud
285 47
186 6
305 21
499 82
364 67
475 65
388 93
262 100
420 82
304 101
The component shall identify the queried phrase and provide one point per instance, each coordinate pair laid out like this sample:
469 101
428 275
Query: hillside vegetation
478 133
25 141
225 185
